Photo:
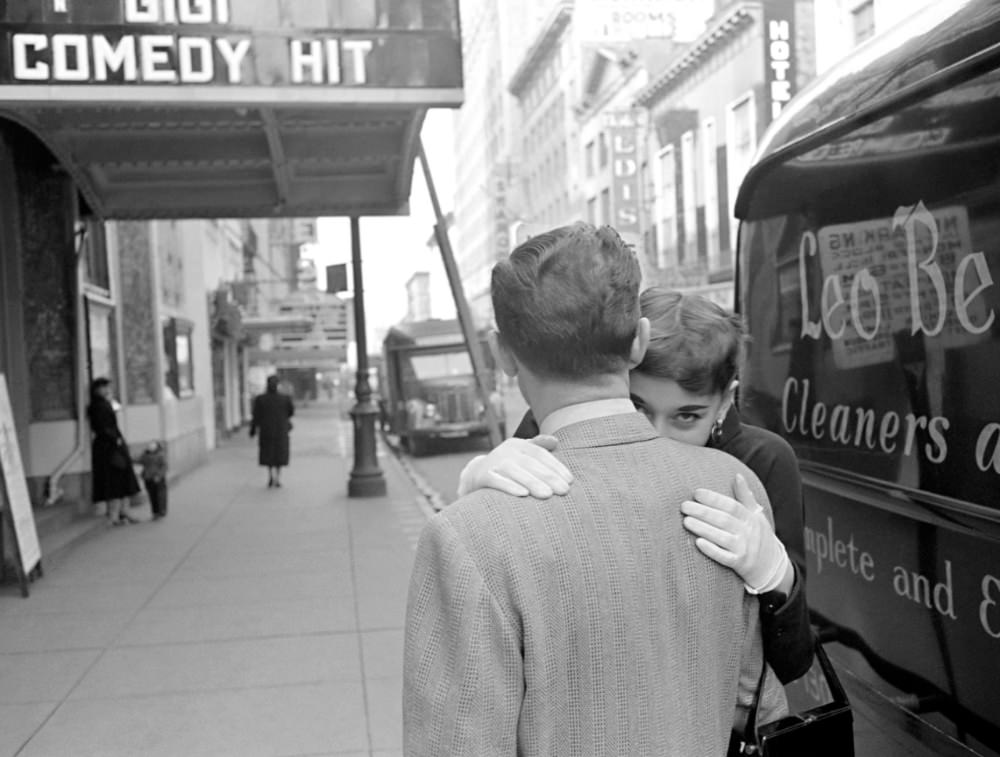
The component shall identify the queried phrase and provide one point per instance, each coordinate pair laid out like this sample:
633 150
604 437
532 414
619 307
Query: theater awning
231 108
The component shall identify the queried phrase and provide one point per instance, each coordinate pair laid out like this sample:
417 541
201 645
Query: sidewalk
250 621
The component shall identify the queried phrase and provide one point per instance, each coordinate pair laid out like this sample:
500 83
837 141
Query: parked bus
430 388
869 276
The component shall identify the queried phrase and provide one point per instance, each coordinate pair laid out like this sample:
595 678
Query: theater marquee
407 44
231 108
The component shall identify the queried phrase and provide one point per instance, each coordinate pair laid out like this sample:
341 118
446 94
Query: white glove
736 533
518 467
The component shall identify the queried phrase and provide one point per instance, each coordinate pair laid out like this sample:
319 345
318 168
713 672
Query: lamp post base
369 486
367 479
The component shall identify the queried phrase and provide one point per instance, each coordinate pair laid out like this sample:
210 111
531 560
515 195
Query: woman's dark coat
271 414
110 460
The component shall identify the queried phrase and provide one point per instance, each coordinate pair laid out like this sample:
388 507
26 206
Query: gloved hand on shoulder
738 534
518 467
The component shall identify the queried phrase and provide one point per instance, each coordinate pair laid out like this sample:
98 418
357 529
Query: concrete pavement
250 621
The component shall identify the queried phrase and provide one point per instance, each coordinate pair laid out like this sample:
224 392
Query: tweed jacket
587 624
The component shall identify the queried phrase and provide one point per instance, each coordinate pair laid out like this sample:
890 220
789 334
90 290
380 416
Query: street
440 470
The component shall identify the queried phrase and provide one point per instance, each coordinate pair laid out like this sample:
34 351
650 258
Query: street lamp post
366 477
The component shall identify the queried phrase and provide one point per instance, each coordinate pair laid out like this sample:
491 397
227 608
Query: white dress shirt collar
584 411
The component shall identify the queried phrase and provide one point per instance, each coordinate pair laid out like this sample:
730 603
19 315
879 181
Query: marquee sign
231 43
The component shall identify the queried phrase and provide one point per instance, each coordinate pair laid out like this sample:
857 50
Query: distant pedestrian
154 477
272 413
112 476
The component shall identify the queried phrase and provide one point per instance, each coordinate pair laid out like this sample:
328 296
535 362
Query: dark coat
271 414
110 461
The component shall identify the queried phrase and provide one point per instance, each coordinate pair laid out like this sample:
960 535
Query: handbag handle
832 681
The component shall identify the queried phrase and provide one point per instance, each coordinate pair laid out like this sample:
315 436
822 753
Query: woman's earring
716 432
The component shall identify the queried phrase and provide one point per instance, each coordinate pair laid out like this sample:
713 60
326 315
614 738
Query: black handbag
823 731
119 459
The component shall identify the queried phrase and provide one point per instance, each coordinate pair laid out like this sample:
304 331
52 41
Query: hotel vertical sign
779 55
231 43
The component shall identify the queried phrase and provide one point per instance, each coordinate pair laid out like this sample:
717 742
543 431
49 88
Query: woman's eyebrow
691 408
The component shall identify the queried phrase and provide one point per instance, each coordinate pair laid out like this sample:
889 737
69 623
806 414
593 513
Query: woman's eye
687 419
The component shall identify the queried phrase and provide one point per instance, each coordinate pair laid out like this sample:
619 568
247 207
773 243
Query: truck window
441 365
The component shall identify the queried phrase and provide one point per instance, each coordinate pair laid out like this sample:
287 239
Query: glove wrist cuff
773 581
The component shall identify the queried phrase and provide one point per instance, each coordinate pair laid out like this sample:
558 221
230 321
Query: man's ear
501 353
639 343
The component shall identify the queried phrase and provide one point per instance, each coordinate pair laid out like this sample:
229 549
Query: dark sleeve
291 407
103 422
527 428
784 488
788 638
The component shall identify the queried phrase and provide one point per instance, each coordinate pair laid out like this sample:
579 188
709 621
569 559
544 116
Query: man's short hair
566 302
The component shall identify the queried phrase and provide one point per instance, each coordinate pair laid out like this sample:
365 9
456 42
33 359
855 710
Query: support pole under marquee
461 304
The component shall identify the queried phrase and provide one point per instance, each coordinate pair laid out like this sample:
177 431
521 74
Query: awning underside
229 162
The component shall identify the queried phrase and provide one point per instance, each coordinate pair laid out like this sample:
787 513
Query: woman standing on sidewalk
114 479
272 413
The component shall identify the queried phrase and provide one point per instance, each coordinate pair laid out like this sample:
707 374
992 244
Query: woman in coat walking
114 479
272 412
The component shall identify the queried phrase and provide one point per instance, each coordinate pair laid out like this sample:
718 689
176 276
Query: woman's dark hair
99 383
272 383
692 341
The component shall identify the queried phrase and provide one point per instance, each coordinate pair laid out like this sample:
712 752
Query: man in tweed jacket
587 624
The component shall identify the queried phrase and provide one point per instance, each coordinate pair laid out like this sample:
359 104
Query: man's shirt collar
584 411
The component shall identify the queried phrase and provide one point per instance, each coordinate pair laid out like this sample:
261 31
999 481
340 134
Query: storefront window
89 242
178 357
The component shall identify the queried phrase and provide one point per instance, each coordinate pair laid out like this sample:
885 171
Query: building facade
418 297
706 111
129 300
487 201
849 23
548 171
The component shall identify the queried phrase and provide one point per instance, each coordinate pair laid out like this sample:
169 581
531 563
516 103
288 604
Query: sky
393 248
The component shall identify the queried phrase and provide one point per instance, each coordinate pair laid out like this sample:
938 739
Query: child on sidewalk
154 476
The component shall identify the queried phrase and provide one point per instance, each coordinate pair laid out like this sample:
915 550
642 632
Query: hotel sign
231 43
779 54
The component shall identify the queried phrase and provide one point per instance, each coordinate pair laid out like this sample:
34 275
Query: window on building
602 150
710 182
741 141
589 161
689 197
666 206
90 235
863 21
605 206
